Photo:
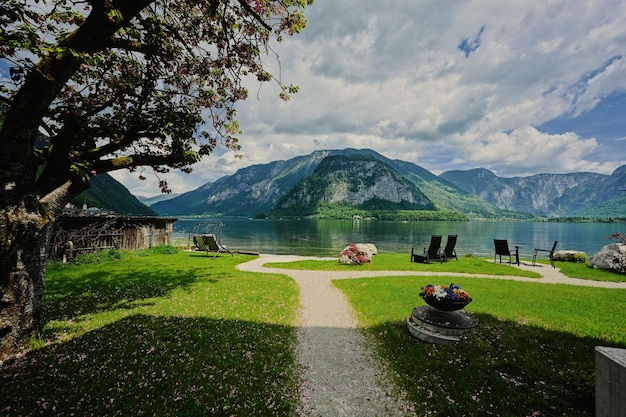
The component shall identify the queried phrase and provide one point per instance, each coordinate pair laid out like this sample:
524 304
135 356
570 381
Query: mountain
477 193
107 193
148 201
445 195
250 191
615 207
553 195
359 181
257 189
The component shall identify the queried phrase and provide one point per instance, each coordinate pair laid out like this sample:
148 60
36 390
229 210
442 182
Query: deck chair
433 253
206 238
502 249
198 242
550 253
212 245
449 251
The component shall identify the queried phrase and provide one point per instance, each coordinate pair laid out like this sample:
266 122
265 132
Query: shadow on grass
502 368
119 285
145 365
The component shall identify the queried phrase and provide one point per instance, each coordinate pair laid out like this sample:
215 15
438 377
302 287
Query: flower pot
447 305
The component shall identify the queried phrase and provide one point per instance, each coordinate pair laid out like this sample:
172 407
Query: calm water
329 237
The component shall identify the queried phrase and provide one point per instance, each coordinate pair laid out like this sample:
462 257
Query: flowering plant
620 236
354 255
445 293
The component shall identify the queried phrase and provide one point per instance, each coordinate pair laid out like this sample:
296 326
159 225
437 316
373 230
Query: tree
98 85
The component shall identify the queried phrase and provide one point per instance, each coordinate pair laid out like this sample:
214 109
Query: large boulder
358 253
611 257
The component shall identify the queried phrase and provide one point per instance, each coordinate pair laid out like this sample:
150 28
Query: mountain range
577 194
362 179
258 189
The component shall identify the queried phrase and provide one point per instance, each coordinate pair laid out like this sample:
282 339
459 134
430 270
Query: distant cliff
555 195
359 181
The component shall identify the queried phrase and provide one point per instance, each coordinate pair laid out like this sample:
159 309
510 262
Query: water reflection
329 237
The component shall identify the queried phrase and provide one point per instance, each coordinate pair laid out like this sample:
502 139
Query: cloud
446 85
562 153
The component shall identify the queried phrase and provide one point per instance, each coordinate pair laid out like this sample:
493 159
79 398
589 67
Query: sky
518 87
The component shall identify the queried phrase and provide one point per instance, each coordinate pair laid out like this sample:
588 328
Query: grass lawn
400 262
531 355
466 264
580 270
161 332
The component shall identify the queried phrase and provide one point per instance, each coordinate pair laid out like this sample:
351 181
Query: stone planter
447 305
432 325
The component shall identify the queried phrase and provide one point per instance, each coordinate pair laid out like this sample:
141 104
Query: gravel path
340 377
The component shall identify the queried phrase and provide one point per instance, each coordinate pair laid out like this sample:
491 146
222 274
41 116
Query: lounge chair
206 238
502 249
433 253
198 242
449 251
550 253
212 245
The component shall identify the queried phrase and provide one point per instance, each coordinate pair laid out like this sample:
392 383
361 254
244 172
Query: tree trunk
25 237
24 241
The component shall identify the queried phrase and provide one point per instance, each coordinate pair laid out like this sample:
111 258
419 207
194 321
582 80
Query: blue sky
519 87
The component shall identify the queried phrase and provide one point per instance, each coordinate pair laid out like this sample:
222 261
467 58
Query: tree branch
133 46
55 200
254 14
131 161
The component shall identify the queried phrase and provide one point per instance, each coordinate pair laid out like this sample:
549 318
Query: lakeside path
340 376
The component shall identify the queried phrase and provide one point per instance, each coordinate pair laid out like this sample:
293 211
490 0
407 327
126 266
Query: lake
329 237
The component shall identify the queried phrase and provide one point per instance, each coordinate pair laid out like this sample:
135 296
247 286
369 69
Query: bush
159 250
98 256
571 256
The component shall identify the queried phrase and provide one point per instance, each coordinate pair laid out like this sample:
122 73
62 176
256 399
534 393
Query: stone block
610 364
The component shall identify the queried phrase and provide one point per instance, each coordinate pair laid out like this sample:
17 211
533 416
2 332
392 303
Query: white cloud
390 76
526 151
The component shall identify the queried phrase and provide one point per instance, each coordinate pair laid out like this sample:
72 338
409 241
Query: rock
611 257
368 247
359 253
570 256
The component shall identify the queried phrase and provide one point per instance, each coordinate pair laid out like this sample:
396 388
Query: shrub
571 256
98 256
162 250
